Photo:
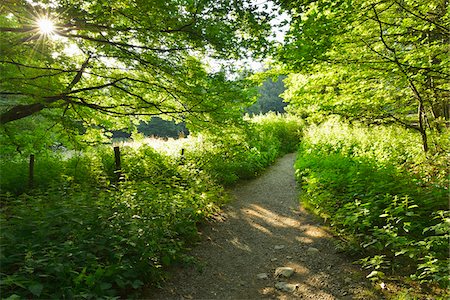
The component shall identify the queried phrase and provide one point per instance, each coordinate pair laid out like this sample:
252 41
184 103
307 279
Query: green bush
52 168
285 129
14 175
244 152
71 242
371 185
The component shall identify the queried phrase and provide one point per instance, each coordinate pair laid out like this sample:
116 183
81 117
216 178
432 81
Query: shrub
83 242
371 184
244 152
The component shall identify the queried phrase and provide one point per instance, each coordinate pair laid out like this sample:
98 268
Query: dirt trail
265 228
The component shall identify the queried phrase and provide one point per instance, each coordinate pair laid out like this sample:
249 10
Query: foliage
74 242
376 63
81 234
106 64
269 97
80 237
243 152
381 62
366 183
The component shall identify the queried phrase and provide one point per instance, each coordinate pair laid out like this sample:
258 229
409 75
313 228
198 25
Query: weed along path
265 246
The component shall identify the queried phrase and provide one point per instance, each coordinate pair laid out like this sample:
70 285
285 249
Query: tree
377 61
162 128
93 61
269 97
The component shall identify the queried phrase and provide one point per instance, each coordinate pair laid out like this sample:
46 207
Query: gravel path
262 229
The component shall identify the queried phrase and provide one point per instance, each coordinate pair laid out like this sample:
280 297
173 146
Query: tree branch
20 111
17 29
96 87
115 44
77 77
420 16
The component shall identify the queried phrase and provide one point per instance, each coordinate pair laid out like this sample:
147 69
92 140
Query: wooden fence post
182 156
118 163
31 172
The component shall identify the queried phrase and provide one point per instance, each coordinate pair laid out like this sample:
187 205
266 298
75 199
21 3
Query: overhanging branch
20 111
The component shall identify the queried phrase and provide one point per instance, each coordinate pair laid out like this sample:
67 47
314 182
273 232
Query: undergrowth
244 152
377 189
80 233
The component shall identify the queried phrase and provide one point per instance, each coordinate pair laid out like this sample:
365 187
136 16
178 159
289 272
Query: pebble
286 287
262 276
274 259
312 250
289 257
278 247
284 271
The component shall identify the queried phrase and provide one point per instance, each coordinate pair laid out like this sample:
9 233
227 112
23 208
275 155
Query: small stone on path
262 276
312 250
278 247
274 259
284 271
286 287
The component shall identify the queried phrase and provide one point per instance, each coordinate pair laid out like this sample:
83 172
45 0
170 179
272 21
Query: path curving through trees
263 229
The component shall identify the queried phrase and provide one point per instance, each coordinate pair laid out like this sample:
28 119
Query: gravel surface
250 251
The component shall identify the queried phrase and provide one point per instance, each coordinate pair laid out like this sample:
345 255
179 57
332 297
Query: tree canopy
380 62
78 62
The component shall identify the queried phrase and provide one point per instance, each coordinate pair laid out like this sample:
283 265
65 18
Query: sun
46 26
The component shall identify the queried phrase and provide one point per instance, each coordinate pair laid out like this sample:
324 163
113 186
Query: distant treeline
269 97
269 100
156 127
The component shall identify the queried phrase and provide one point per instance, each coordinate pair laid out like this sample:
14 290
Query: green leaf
166 260
401 252
105 286
137 284
36 289
374 275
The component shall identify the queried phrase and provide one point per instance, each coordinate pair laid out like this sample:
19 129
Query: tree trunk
422 128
